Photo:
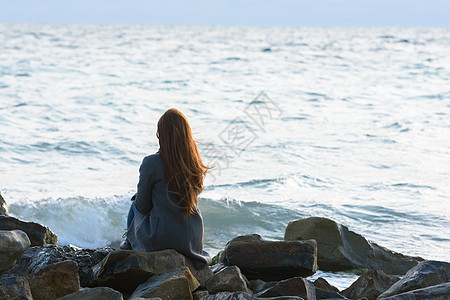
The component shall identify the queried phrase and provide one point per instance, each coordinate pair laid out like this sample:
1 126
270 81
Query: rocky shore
33 266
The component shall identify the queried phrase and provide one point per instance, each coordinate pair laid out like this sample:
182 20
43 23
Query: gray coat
159 223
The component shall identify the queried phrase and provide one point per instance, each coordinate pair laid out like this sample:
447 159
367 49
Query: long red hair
183 166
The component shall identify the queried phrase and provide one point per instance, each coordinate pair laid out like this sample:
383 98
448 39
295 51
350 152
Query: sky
404 13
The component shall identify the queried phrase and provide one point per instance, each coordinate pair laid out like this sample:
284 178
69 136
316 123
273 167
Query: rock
202 275
124 270
435 292
370 285
244 296
3 207
340 249
271 260
324 294
321 283
12 245
229 279
425 274
217 267
296 286
98 293
177 285
199 294
38 234
37 258
55 280
258 285
14 287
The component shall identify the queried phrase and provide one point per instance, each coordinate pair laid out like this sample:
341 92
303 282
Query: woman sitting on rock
164 213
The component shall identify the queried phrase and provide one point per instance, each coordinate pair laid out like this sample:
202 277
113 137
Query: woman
164 213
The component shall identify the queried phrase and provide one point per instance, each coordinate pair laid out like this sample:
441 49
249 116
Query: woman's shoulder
152 160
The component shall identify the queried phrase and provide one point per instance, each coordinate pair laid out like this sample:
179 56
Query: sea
351 124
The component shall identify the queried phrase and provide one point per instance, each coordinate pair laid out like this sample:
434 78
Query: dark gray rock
271 260
258 285
55 280
178 284
321 283
324 294
244 296
435 292
124 270
36 258
340 249
425 274
296 286
370 285
98 293
3 206
14 287
38 234
229 279
12 245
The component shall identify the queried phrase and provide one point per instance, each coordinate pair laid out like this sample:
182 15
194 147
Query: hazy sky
231 12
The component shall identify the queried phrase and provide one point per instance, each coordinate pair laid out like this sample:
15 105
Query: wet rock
370 285
425 274
55 280
38 234
98 293
178 284
340 249
435 292
14 287
12 245
217 267
3 207
229 279
37 258
124 270
321 283
296 286
271 260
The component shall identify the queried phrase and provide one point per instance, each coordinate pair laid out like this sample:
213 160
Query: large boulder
340 249
296 286
435 292
271 260
12 245
229 279
55 280
14 287
37 258
97 293
3 207
425 274
124 270
322 283
38 234
370 285
177 285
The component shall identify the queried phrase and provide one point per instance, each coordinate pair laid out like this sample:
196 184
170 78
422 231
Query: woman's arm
143 201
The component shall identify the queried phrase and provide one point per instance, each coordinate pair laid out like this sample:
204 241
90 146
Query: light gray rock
55 280
97 293
340 249
435 292
425 274
271 260
37 258
229 279
38 234
175 285
3 206
12 245
14 287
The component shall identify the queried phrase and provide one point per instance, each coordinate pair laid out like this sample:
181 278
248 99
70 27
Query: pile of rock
34 267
